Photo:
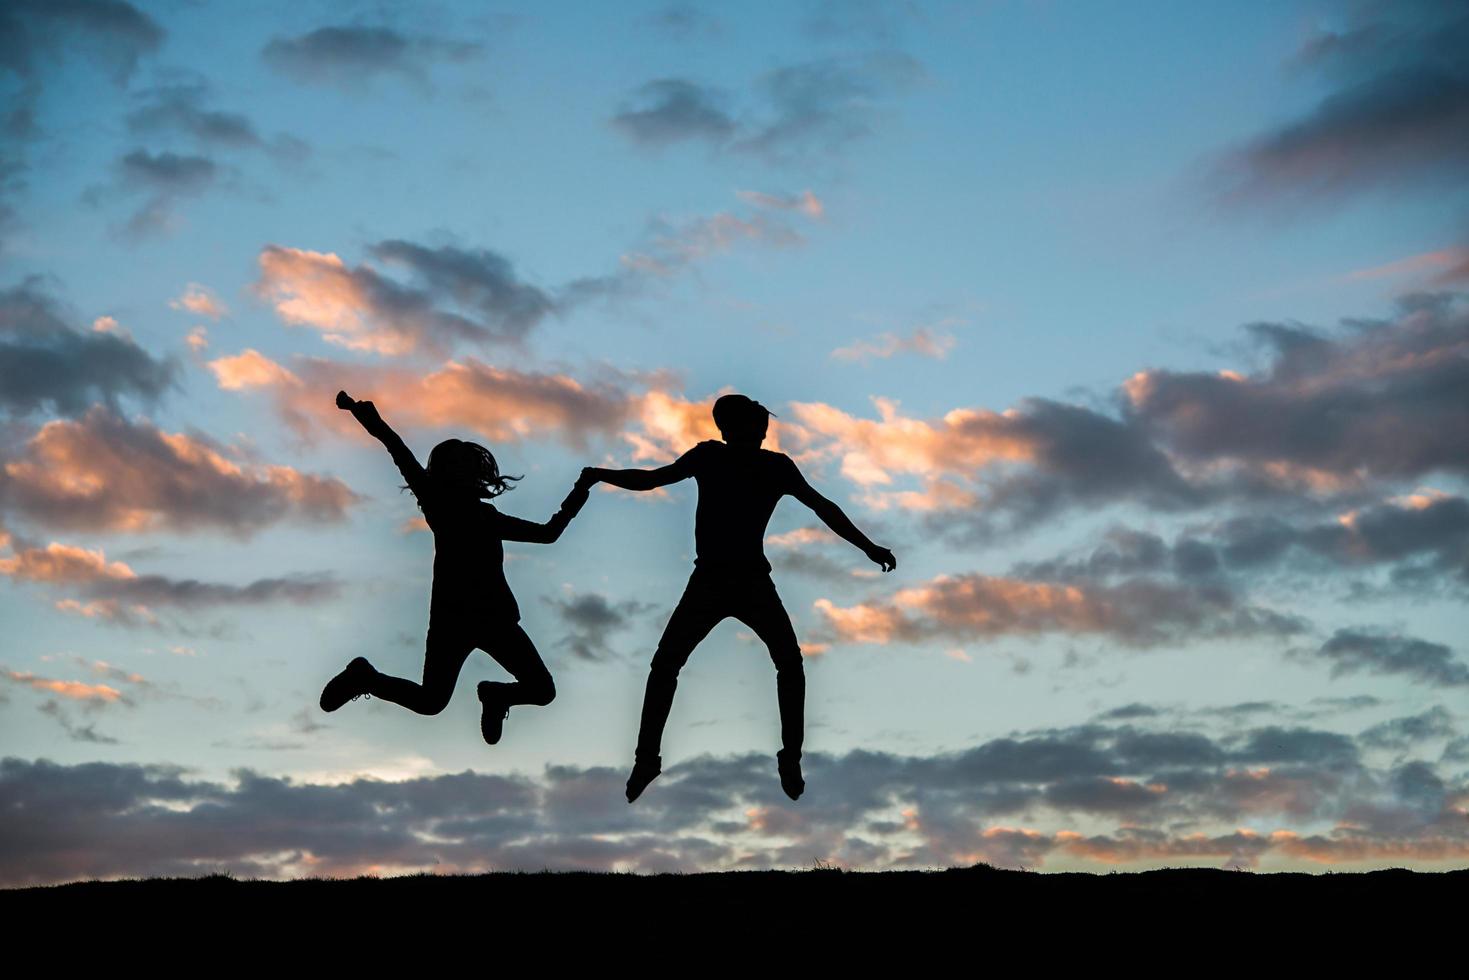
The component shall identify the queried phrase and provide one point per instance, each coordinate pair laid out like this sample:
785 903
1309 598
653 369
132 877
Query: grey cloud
36 37
162 180
1384 398
351 56
1397 111
796 112
1172 800
47 364
684 21
670 110
592 620
1378 652
1405 732
112 31
179 107
476 279
75 730
824 105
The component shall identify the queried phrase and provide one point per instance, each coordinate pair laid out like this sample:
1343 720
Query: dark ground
1224 914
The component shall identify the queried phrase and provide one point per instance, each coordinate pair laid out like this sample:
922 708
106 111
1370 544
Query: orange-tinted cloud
925 341
501 404
71 690
103 472
200 300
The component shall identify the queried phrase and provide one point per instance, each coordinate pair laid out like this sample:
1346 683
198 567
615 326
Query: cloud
1361 650
972 607
1380 400
1329 417
824 105
103 472
684 21
806 202
925 341
502 404
162 180
1026 462
675 245
1444 267
76 731
71 690
592 619
200 300
1435 724
1396 112
670 110
350 57
362 309
115 593
795 112
39 37
1422 539
178 107
1087 797
113 31
49 365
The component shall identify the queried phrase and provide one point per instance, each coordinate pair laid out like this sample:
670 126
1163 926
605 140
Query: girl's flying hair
456 465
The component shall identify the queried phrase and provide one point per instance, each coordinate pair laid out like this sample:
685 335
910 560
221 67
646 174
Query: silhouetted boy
739 486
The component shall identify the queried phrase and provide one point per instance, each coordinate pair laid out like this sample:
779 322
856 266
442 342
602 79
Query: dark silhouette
739 486
471 605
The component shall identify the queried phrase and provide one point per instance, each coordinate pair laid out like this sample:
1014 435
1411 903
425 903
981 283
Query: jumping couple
472 605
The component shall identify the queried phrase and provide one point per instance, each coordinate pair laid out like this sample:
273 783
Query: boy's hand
883 557
589 478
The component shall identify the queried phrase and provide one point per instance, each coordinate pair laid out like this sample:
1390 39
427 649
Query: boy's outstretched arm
638 479
366 413
836 519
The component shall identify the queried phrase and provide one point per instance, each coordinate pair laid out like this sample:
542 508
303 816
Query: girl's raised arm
366 413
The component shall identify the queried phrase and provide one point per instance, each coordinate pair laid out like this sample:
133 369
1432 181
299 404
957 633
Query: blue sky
1134 330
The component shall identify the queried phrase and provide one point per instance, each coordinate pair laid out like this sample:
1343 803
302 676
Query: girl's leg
512 649
444 654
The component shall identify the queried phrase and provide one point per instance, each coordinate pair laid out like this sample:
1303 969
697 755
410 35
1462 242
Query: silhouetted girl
472 605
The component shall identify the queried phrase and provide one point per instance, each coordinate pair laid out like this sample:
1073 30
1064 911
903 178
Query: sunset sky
1139 331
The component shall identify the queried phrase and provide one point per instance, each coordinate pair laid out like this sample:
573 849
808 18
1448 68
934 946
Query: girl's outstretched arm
515 529
366 413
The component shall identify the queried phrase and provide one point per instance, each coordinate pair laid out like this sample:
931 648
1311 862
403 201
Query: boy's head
741 420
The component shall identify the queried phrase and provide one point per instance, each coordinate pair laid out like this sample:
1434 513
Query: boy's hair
455 463
735 414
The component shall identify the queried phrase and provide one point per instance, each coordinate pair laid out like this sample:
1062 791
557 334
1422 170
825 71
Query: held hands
590 477
883 557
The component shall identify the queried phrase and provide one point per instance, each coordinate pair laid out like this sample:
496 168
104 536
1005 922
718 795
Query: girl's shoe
349 685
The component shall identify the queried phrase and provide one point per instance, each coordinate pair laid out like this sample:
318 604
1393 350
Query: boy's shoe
493 712
349 685
789 764
644 771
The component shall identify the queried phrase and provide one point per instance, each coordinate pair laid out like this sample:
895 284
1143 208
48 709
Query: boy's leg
762 611
444 654
699 610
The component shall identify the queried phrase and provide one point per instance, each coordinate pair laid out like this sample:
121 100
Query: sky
1139 332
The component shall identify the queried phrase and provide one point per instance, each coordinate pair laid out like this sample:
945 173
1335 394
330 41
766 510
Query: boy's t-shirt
738 489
